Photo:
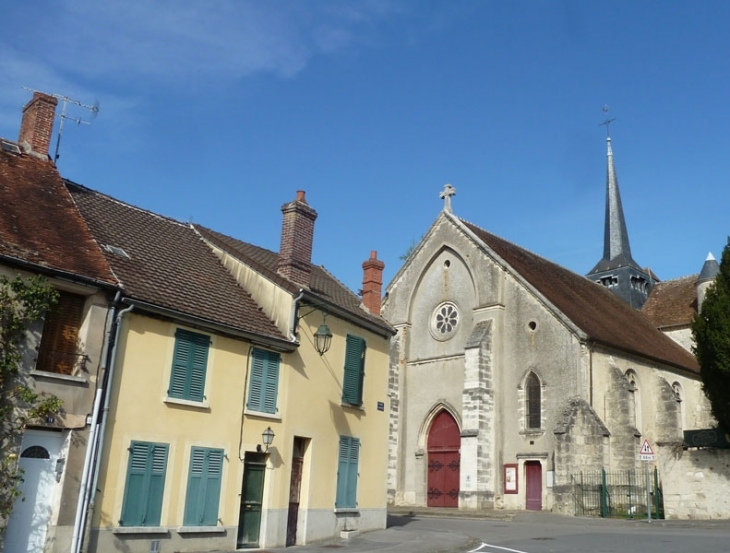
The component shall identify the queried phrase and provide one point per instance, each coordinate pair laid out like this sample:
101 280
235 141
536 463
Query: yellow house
225 426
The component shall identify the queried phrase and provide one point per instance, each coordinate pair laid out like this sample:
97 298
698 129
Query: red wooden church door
533 473
443 462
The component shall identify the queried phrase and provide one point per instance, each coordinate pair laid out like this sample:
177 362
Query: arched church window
633 379
533 402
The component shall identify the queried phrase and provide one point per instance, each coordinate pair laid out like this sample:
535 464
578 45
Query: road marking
496 547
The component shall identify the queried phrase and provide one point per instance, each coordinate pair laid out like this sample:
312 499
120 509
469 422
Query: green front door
252 493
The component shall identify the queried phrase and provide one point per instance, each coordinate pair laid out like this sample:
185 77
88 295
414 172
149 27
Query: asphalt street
522 532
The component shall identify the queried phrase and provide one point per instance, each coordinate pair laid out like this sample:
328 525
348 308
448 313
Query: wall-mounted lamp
323 338
268 437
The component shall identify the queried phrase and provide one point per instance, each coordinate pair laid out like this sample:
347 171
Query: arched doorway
443 461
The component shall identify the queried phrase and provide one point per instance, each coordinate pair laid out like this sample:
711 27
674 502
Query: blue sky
217 112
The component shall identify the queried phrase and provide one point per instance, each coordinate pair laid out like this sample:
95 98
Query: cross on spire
445 195
607 122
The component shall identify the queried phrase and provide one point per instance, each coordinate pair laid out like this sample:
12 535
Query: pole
648 498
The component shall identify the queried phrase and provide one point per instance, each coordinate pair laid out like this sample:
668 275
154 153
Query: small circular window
444 321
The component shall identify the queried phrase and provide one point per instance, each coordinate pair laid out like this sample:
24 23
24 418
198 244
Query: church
510 375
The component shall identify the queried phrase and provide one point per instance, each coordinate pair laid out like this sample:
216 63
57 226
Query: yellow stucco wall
309 406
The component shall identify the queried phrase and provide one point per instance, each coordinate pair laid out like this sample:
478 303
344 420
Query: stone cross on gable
446 196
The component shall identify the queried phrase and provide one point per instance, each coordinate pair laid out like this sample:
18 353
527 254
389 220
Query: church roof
164 263
323 285
40 225
600 314
672 302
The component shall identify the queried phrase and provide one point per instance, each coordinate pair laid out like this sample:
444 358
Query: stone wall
694 482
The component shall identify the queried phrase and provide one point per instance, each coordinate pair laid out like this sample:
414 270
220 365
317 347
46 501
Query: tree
23 301
711 333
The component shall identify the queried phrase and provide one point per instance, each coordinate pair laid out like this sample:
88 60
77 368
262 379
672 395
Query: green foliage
711 332
22 302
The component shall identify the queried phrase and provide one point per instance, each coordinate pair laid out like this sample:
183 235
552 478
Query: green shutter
264 384
354 370
145 485
347 472
204 487
189 363
211 498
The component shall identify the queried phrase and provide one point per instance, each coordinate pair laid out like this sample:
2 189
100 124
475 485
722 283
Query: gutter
59 273
384 330
92 444
277 344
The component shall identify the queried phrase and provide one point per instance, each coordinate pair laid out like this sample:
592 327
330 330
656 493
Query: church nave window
533 402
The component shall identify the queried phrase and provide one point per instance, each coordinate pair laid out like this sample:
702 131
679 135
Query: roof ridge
523 248
127 205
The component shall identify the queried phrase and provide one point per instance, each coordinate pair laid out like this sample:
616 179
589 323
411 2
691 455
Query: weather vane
607 122
94 109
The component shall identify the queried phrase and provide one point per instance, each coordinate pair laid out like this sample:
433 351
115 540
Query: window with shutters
189 364
204 487
347 473
145 484
59 349
264 382
354 370
533 401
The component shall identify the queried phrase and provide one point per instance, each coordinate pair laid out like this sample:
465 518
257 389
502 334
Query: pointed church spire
617 269
616 237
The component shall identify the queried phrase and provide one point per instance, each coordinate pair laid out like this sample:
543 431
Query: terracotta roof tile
600 314
672 302
169 265
39 222
322 284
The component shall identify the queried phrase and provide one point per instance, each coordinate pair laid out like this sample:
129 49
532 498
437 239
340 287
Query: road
546 533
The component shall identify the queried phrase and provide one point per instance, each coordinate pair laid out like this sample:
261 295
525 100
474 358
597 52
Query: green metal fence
617 494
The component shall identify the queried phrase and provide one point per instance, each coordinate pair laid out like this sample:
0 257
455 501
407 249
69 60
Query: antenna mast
94 109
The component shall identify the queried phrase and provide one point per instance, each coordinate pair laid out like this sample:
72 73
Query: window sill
202 405
62 377
357 406
201 530
347 511
534 432
261 414
140 530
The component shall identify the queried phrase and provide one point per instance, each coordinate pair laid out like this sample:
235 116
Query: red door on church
533 474
443 462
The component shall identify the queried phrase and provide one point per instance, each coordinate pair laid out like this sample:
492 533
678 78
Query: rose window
444 321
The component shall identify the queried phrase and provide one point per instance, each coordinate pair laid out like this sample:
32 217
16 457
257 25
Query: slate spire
616 245
617 269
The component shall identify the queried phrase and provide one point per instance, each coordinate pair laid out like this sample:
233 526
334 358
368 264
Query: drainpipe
295 305
96 440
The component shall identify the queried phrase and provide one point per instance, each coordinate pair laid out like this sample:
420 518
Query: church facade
510 375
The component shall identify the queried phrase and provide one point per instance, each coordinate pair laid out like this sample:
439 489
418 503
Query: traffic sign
646 453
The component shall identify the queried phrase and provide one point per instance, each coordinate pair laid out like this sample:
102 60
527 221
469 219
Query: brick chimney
37 126
297 235
372 283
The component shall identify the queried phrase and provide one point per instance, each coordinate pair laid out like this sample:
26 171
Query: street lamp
268 437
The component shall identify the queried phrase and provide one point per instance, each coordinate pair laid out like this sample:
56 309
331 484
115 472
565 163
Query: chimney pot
36 127
372 283
300 196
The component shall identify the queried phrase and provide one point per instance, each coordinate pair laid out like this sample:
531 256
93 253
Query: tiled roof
672 302
323 284
169 266
39 223
600 314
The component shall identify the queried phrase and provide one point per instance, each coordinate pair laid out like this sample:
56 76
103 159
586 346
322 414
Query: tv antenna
65 100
